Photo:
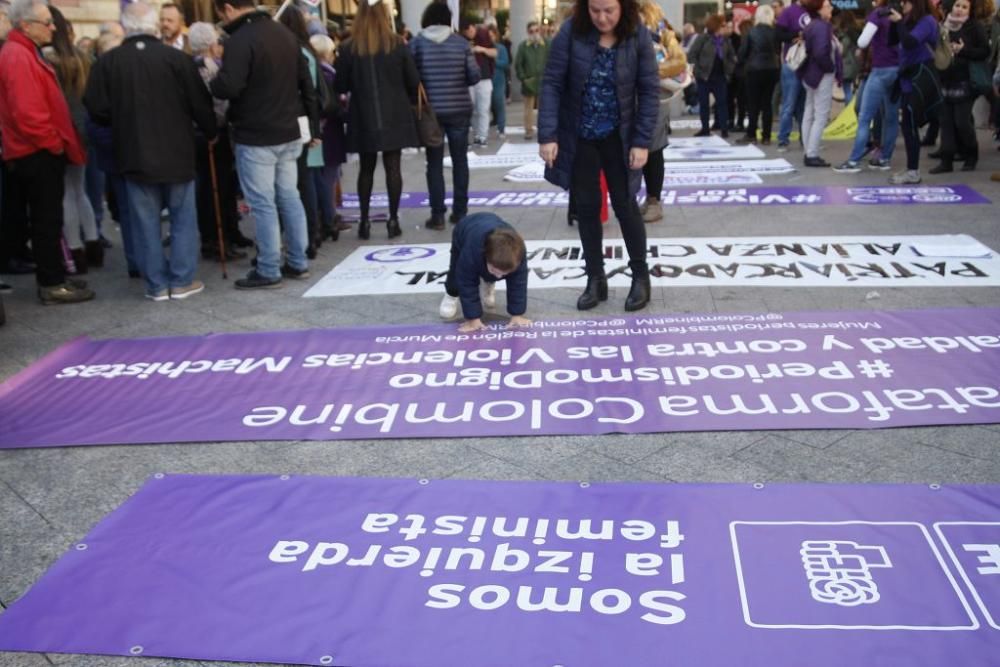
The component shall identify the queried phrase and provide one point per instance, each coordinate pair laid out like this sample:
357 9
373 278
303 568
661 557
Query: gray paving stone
787 460
593 467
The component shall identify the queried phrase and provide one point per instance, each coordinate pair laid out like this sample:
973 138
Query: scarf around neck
953 24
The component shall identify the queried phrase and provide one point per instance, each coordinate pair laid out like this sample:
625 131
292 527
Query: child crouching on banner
485 248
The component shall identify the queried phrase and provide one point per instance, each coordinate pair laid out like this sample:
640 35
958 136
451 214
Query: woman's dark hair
436 13
918 10
69 62
292 19
627 24
812 6
714 23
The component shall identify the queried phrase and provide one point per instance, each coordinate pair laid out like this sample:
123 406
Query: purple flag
645 374
374 572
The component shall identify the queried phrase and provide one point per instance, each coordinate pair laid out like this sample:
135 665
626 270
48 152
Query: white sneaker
448 310
488 295
906 177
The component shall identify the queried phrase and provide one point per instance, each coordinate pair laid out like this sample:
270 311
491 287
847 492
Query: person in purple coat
820 71
916 33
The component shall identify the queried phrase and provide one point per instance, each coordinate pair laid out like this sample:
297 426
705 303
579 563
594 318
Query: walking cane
218 209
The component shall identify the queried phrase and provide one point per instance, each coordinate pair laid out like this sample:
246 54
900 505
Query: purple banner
717 196
655 373
375 572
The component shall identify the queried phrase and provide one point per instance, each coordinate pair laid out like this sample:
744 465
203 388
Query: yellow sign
844 126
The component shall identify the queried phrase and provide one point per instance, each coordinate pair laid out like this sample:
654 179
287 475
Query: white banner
681 173
677 151
775 166
697 142
810 261
685 124
529 148
497 161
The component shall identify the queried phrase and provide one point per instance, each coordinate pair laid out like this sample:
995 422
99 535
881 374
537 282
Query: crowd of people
156 119
158 116
908 65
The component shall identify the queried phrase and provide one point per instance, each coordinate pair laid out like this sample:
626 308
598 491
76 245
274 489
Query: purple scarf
717 38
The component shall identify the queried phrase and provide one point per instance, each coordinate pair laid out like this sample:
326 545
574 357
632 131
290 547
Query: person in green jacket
529 66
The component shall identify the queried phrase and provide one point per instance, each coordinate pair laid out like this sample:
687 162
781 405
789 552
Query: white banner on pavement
677 174
497 161
809 261
676 151
775 166
529 148
696 142
685 124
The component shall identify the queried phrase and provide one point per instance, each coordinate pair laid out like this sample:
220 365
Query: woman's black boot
393 226
638 295
364 230
597 291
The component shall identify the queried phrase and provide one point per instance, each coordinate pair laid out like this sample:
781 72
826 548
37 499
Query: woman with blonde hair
760 53
671 66
376 69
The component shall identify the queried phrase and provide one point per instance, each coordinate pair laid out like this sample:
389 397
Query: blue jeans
269 177
456 128
145 201
498 102
792 99
877 97
132 257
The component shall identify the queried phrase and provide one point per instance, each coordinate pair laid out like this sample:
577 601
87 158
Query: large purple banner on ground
638 374
376 572
709 195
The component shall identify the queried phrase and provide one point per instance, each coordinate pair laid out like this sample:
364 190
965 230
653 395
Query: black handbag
428 129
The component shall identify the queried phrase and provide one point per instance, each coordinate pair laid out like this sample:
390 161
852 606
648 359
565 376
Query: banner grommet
583 485
136 650
326 660
758 485
158 475
285 478
423 482
82 546
935 487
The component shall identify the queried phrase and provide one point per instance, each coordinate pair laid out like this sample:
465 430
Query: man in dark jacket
266 79
151 95
447 69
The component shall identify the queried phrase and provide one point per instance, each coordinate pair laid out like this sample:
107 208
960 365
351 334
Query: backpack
796 55
942 52
326 98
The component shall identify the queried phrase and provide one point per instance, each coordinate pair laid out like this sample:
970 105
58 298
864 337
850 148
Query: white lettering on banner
535 414
491 597
633 530
657 606
939 344
821 261
174 370
991 559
